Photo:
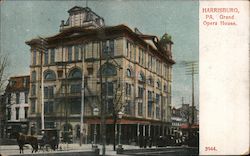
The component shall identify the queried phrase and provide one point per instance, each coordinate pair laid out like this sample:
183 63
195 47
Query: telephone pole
42 49
192 69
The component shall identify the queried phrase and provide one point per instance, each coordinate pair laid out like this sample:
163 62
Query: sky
23 20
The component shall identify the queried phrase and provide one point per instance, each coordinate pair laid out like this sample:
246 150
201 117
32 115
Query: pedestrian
145 142
149 142
140 142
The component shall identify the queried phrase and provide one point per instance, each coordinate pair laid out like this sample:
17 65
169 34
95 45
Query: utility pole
103 126
82 102
42 50
192 70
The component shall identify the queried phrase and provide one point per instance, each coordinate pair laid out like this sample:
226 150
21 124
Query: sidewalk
14 149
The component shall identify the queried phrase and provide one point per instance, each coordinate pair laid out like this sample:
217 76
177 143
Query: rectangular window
130 51
150 104
128 89
48 92
69 53
110 106
9 113
17 113
46 57
139 56
34 57
108 48
157 102
150 97
48 107
60 73
33 90
140 109
76 53
26 97
150 108
33 106
26 109
140 92
52 56
157 99
128 109
110 90
17 98
142 57
75 88
9 98
157 112
75 106
90 71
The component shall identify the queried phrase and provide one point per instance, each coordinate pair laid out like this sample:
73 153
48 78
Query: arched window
75 73
150 80
49 75
158 84
108 69
33 76
129 73
141 77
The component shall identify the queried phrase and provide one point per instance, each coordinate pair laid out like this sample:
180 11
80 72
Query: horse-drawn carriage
50 139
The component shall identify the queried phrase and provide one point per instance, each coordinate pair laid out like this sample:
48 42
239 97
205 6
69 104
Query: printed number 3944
210 149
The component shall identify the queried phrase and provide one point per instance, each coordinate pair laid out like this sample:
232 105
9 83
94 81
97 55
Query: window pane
33 106
33 90
75 73
17 98
140 109
75 88
17 113
69 53
26 112
49 92
46 57
52 56
26 97
75 106
76 53
48 107
33 76
49 75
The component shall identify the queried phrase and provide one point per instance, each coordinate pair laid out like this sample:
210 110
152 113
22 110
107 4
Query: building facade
131 70
182 119
17 107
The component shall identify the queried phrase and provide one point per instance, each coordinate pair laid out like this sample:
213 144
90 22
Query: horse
23 139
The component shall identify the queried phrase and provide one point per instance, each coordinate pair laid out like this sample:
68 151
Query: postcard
123 77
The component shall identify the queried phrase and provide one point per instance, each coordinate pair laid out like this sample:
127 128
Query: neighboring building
177 120
137 67
17 107
182 116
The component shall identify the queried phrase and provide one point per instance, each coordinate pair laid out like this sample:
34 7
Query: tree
117 107
3 66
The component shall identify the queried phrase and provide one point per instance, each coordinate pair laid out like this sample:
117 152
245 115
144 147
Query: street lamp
96 113
119 149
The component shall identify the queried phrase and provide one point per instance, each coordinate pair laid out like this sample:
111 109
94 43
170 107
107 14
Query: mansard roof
18 83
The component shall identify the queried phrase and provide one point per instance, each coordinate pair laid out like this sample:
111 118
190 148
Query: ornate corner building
134 70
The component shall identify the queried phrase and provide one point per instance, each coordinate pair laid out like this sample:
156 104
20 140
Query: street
86 149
